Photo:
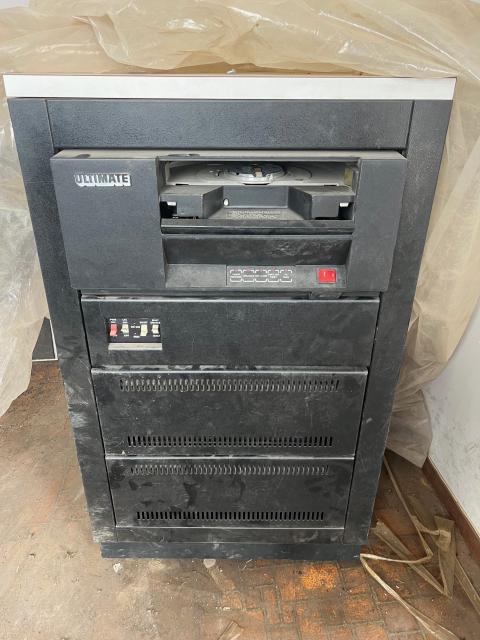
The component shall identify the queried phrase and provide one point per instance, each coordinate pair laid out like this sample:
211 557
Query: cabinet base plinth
231 551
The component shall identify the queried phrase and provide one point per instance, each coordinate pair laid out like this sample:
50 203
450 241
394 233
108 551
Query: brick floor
54 583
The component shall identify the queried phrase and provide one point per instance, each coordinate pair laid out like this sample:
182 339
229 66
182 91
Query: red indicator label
327 275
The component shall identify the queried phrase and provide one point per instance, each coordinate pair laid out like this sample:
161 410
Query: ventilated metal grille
228 469
258 384
146 440
231 516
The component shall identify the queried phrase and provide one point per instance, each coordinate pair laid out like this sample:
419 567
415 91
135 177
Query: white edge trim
228 87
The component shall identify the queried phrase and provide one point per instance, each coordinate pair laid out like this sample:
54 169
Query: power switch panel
134 333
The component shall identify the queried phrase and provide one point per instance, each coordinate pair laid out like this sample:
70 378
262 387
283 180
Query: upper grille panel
193 411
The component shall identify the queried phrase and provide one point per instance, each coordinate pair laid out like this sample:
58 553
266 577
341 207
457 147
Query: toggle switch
155 329
125 328
143 329
113 329
327 276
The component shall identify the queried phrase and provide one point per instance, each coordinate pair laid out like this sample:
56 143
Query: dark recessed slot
258 249
345 212
168 210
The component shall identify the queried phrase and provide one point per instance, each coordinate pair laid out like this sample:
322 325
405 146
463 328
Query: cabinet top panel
228 87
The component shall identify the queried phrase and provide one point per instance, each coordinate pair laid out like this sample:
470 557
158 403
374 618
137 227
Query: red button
113 329
327 275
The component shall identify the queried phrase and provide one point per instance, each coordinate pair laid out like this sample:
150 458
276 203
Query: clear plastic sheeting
421 38
22 301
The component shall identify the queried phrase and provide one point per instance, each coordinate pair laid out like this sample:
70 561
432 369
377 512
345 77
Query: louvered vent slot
258 384
230 516
163 441
227 469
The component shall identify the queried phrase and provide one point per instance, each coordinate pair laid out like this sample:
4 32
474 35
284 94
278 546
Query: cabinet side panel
424 153
35 148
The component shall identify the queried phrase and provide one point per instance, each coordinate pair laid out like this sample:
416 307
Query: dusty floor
55 586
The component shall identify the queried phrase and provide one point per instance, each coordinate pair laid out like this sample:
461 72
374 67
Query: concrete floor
55 586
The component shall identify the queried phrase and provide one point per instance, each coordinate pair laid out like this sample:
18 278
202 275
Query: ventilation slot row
139 441
231 516
196 384
217 469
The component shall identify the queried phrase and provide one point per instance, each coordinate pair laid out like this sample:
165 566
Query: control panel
134 333
295 276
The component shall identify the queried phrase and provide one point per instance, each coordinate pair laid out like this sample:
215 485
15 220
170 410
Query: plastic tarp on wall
422 38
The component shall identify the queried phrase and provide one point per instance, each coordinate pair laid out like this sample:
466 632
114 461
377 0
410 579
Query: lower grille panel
224 492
